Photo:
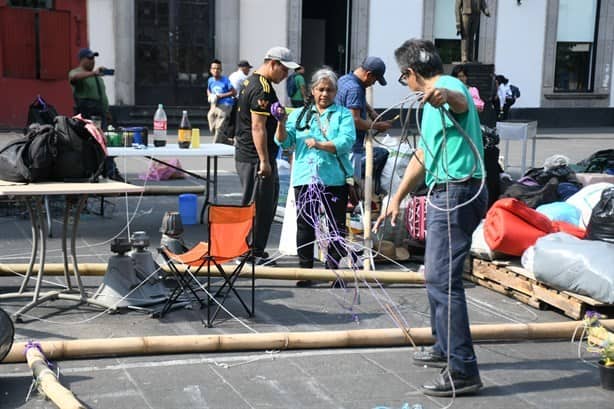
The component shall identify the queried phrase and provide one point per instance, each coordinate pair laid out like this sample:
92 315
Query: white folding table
32 195
207 150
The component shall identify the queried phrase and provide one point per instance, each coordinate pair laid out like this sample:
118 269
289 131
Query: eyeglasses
403 78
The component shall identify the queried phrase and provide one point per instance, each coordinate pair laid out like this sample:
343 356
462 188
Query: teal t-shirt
453 159
299 80
311 165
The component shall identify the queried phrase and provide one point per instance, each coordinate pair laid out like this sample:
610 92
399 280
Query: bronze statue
467 23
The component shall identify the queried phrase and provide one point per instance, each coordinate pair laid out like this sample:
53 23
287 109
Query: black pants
308 207
264 192
503 114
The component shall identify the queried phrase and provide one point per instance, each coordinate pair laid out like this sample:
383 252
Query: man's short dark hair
421 56
216 61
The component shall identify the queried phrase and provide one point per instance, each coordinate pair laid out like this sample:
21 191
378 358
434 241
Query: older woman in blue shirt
322 134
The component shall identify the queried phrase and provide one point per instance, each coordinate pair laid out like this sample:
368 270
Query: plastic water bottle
160 123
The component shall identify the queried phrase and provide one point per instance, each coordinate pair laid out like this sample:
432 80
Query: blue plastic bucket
188 208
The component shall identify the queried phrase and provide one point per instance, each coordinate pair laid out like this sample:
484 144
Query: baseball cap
87 53
377 67
244 63
283 55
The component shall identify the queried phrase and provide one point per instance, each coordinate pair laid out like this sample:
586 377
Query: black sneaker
427 356
116 176
263 260
305 283
441 385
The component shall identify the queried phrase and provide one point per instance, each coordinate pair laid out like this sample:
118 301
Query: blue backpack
291 85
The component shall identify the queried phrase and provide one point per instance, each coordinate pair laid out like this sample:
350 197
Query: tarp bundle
511 227
571 264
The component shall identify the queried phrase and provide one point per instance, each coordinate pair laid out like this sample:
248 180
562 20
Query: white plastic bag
287 241
399 156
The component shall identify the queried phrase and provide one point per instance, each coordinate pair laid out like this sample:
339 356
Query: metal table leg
39 237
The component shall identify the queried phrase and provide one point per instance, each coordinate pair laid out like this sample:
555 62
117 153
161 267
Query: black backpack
533 196
598 162
41 112
80 158
12 167
31 158
515 91
65 152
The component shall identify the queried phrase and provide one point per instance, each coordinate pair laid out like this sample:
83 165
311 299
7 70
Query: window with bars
174 45
576 45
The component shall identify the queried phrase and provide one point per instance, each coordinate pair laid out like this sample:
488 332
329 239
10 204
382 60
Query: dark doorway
174 44
325 36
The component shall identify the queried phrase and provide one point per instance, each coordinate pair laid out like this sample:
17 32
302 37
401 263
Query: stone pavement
532 374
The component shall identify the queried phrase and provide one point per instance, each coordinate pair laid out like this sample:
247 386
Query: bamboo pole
368 192
262 272
387 337
48 383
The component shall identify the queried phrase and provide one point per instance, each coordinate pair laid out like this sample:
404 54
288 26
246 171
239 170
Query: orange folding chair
230 237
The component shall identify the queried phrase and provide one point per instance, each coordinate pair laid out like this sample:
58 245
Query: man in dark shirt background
91 100
351 94
255 148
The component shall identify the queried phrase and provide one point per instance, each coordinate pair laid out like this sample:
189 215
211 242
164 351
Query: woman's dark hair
501 79
421 56
458 69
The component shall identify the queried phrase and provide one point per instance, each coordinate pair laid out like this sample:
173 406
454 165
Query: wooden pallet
511 279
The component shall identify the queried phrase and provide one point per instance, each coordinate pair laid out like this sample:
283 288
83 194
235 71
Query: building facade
560 53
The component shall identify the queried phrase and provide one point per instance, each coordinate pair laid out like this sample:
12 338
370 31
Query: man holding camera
91 98
88 88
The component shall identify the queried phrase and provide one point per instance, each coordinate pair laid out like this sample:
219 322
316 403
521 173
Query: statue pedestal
482 76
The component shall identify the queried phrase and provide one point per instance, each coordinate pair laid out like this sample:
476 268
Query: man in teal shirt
299 98
450 162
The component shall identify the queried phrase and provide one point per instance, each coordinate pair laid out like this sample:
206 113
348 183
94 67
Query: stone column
124 20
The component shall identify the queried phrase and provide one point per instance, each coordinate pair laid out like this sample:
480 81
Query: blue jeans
356 158
463 222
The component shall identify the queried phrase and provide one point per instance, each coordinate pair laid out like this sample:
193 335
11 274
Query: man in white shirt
236 80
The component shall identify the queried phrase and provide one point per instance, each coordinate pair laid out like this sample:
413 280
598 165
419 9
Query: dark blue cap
87 53
377 67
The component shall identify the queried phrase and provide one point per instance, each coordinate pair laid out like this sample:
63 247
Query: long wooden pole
262 272
368 193
389 337
48 383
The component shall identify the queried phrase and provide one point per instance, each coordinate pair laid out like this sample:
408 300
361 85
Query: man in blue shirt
220 94
351 94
